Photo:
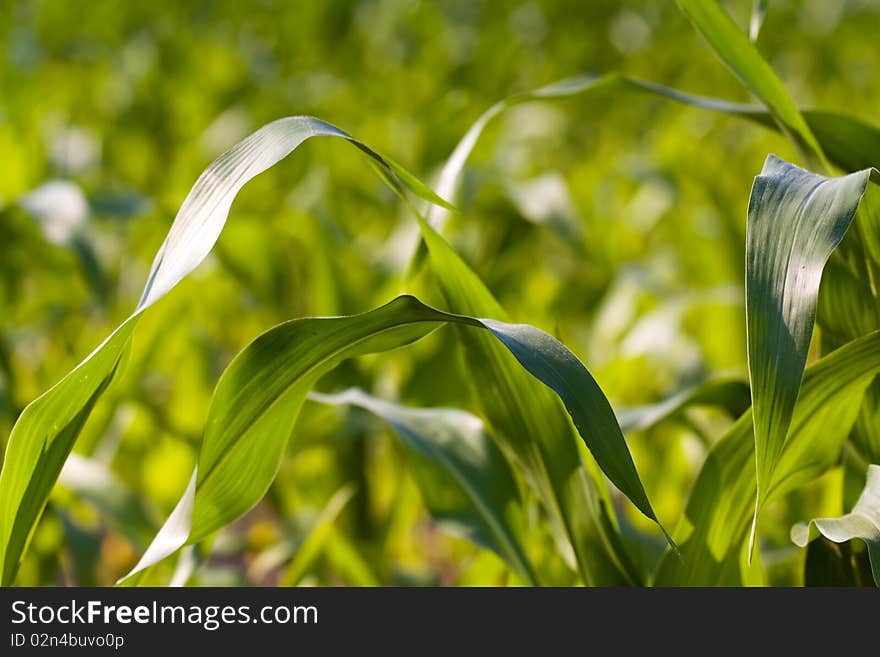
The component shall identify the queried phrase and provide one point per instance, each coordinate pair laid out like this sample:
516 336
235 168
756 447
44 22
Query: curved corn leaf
533 430
742 57
466 482
258 398
796 219
862 522
849 142
447 182
714 531
732 395
47 429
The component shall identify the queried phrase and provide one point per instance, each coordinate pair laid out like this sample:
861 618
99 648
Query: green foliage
796 220
592 207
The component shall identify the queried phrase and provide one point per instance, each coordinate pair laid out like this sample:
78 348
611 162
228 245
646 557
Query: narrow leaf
796 219
759 11
534 431
559 369
849 143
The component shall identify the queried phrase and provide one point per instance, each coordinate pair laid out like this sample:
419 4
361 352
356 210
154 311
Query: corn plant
524 471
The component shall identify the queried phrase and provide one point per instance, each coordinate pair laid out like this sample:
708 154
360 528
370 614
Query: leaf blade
258 398
796 220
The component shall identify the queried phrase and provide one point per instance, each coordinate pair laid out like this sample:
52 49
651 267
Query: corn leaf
47 429
259 396
534 431
714 531
862 522
796 219
466 482
850 143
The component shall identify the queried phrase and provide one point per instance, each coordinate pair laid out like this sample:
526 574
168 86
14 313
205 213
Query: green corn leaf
735 49
535 432
796 220
732 395
714 531
450 175
862 522
40 442
850 143
259 396
466 482
47 429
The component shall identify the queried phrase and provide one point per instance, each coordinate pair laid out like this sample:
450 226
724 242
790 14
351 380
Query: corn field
509 294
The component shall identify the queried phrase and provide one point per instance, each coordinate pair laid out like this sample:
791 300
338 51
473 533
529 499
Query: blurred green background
613 220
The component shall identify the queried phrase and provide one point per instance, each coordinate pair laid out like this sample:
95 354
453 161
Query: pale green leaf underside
466 482
862 522
796 219
47 429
